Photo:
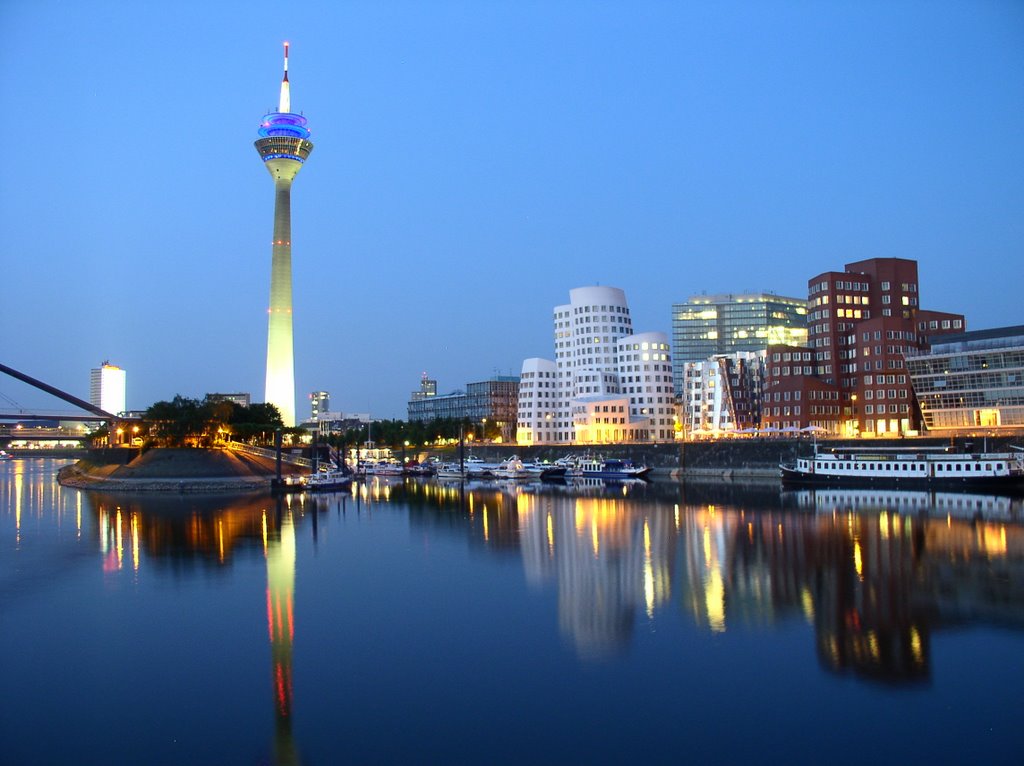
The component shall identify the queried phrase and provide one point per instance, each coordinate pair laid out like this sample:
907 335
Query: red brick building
852 377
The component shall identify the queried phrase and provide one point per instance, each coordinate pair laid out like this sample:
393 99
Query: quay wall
724 458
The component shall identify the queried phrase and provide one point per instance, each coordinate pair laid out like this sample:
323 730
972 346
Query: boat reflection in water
958 505
875 573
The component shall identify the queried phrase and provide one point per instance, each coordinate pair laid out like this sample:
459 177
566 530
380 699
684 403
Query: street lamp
483 429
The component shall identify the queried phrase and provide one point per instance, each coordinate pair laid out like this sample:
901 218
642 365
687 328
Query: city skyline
474 163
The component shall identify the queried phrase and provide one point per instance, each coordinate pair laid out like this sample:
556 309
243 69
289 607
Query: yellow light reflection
807 602
104 531
119 540
714 601
551 536
648 571
264 534
915 645
135 542
858 563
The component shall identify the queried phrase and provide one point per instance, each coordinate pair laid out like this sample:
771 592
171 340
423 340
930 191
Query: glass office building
708 325
972 382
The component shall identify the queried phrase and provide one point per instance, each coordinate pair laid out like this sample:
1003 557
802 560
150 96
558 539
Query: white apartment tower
107 388
606 384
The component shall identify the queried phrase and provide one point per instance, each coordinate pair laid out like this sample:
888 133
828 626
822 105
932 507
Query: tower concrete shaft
284 147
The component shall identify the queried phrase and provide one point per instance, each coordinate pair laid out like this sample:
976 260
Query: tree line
183 421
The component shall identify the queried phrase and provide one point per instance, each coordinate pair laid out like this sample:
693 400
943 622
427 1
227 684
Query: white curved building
606 384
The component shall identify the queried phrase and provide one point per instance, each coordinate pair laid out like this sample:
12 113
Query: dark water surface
414 623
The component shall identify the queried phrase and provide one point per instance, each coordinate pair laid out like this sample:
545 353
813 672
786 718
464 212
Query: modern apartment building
710 325
605 385
971 382
851 377
108 388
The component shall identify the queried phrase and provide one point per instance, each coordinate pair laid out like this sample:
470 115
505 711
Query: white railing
271 454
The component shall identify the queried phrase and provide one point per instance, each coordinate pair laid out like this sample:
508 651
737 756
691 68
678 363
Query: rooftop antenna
285 103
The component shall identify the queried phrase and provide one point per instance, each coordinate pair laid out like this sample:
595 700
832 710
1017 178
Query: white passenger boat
908 467
598 468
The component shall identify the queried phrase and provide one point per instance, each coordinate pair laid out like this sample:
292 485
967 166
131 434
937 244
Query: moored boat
331 480
907 467
598 468
553 473
450 471
512 468
385 468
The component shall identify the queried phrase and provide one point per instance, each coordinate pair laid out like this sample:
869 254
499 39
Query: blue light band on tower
283 146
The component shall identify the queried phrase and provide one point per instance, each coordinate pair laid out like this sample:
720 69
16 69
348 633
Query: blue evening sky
475 161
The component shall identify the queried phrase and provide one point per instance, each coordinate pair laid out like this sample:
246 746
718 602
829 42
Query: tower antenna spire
283 146
285 103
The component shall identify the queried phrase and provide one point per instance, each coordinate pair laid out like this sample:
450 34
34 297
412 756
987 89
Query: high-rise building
606 384
851 377
283 146
107 388
428 387
710 325
319 403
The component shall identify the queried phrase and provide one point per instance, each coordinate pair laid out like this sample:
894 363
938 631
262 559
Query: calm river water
416 623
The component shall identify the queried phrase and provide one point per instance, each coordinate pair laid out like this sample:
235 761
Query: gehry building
723 393
851 377
606 383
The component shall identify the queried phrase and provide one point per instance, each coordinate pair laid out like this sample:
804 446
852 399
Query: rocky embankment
168 470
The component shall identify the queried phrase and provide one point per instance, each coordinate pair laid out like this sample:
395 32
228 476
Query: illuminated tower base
284 147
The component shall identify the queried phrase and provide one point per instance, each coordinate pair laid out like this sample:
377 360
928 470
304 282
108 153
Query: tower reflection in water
874 574
184 531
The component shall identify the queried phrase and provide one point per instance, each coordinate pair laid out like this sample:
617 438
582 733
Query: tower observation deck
283 146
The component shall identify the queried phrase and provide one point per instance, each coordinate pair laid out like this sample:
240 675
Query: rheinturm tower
284 146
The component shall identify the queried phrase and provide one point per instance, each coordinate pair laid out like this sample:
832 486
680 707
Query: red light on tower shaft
283 146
